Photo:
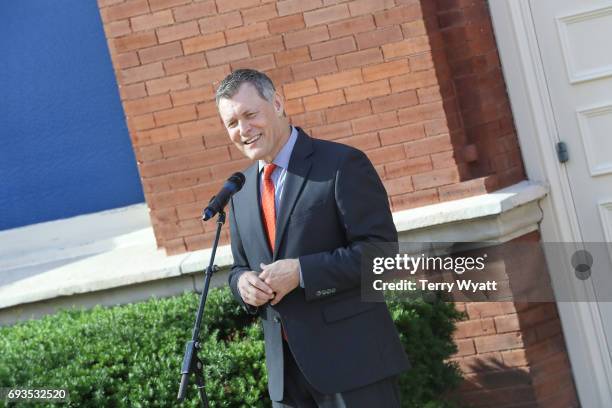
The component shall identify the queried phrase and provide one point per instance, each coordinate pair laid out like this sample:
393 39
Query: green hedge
130 355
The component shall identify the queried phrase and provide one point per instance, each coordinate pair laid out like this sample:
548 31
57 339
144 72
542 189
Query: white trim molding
537 133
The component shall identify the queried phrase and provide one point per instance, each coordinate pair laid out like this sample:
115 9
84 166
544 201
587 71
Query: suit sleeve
240 265
363 208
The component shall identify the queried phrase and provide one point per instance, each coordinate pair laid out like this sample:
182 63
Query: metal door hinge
562 153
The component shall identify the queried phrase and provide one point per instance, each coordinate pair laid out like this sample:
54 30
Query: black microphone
231 187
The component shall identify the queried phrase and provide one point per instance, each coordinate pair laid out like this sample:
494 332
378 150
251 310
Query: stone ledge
131 259
499 216
470 208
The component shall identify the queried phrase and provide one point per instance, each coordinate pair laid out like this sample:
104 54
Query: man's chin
254 154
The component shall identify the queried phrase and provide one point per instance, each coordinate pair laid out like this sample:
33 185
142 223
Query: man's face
254 125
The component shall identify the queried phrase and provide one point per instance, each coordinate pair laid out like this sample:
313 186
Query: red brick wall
416 84
484 107
513 354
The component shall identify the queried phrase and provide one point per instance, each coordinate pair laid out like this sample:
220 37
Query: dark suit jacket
333 204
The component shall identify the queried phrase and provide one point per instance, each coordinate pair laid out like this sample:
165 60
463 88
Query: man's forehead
244 99
246 93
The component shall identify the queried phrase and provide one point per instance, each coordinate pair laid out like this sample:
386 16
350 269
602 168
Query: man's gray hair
229 86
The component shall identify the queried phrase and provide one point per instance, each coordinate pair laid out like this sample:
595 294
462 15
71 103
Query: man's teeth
252 140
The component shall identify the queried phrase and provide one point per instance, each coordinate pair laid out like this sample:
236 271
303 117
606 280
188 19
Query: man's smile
252 139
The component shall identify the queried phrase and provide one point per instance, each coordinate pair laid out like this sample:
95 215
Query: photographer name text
426 285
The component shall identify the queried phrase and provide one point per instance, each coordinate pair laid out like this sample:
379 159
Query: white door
575 44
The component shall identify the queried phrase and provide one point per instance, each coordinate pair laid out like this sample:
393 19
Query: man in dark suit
298 228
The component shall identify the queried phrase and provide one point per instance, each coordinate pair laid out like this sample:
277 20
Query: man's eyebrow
240 113
246 112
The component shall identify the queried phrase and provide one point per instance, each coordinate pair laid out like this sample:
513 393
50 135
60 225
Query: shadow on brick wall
479 122
534 372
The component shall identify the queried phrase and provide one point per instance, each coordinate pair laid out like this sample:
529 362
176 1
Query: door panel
575 44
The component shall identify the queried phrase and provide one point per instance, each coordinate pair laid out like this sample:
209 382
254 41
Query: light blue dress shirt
280 172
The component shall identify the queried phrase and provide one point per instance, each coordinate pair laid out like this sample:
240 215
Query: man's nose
244 127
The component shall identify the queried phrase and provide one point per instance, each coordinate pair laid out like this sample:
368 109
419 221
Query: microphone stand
191 362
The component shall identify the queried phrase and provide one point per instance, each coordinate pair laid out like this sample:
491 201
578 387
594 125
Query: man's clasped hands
272 284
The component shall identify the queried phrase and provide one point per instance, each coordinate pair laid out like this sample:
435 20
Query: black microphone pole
191 362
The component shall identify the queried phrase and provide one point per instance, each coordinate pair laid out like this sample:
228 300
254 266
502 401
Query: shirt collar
282 158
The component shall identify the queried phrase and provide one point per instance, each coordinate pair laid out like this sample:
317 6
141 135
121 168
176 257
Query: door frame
537 133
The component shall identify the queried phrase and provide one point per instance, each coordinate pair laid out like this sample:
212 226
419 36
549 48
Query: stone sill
120 254
469 208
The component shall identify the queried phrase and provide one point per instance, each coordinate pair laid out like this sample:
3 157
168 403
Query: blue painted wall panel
64 145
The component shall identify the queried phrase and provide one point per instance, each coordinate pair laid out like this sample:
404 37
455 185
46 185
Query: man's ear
278 104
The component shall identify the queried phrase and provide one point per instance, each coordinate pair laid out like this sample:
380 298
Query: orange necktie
269 212
267 204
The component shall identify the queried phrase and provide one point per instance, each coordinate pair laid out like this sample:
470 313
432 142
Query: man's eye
250 115
231 124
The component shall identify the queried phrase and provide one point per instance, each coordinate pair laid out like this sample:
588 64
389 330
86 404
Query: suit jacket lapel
297 174
253 212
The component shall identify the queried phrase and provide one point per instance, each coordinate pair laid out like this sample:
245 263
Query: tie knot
268 170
